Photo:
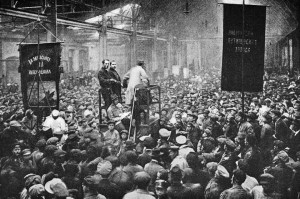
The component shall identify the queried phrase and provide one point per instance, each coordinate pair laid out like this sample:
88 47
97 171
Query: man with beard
116 86
106 82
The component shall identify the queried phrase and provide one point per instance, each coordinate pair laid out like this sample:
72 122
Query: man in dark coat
282 131
116 86
177 190
236 191
253 157
106 82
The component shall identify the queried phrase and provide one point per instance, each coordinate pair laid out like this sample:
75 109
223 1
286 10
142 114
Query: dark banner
40 74
254 48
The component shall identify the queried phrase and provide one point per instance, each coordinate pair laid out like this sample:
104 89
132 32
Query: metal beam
68 22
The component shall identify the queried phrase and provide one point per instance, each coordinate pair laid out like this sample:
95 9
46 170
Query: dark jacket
104 79
116 86
282 131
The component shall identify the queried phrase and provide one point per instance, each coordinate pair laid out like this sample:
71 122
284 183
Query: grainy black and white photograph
149 99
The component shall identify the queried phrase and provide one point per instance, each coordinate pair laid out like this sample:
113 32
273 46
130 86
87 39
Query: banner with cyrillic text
252 45
39 68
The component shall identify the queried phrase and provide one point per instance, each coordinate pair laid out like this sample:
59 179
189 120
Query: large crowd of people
201 144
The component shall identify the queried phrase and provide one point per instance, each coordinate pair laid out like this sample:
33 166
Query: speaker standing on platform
136 75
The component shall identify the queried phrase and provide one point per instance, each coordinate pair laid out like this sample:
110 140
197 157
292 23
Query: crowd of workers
199 145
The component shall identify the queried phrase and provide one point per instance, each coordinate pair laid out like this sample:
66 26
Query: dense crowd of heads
199 145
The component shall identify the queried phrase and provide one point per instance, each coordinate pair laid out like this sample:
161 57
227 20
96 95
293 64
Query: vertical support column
103 40
133 37
297 58
199 57
53 20
127 54
154 50
169 54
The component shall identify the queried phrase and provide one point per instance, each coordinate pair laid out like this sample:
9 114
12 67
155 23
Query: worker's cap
181 139
14 123
221 171
266 178
141 178
283 156
164 132
104 167
55 113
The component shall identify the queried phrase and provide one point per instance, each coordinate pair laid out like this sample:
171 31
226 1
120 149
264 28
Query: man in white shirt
250 182
56 123
177 160
136 75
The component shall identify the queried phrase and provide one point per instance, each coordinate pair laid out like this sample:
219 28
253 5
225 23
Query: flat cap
181 139
230 143
55 113
141 178
36 190
52 141
59 153
283 156
221 171
164 132
50 184
104 167
26 152
266 178
14 123
276 112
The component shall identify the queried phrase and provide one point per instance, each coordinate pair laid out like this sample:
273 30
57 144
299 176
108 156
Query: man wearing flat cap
244 126
236 191
229 157
90 188
10 135
114 112
177 160
217 184
266 135
295 137
153 167
282 131
194 133
111 136
176 189
282 173
266 189
206 122
141 181
105 187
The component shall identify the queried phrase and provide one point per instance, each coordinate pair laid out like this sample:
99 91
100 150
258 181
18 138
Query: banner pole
243 38
38 75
